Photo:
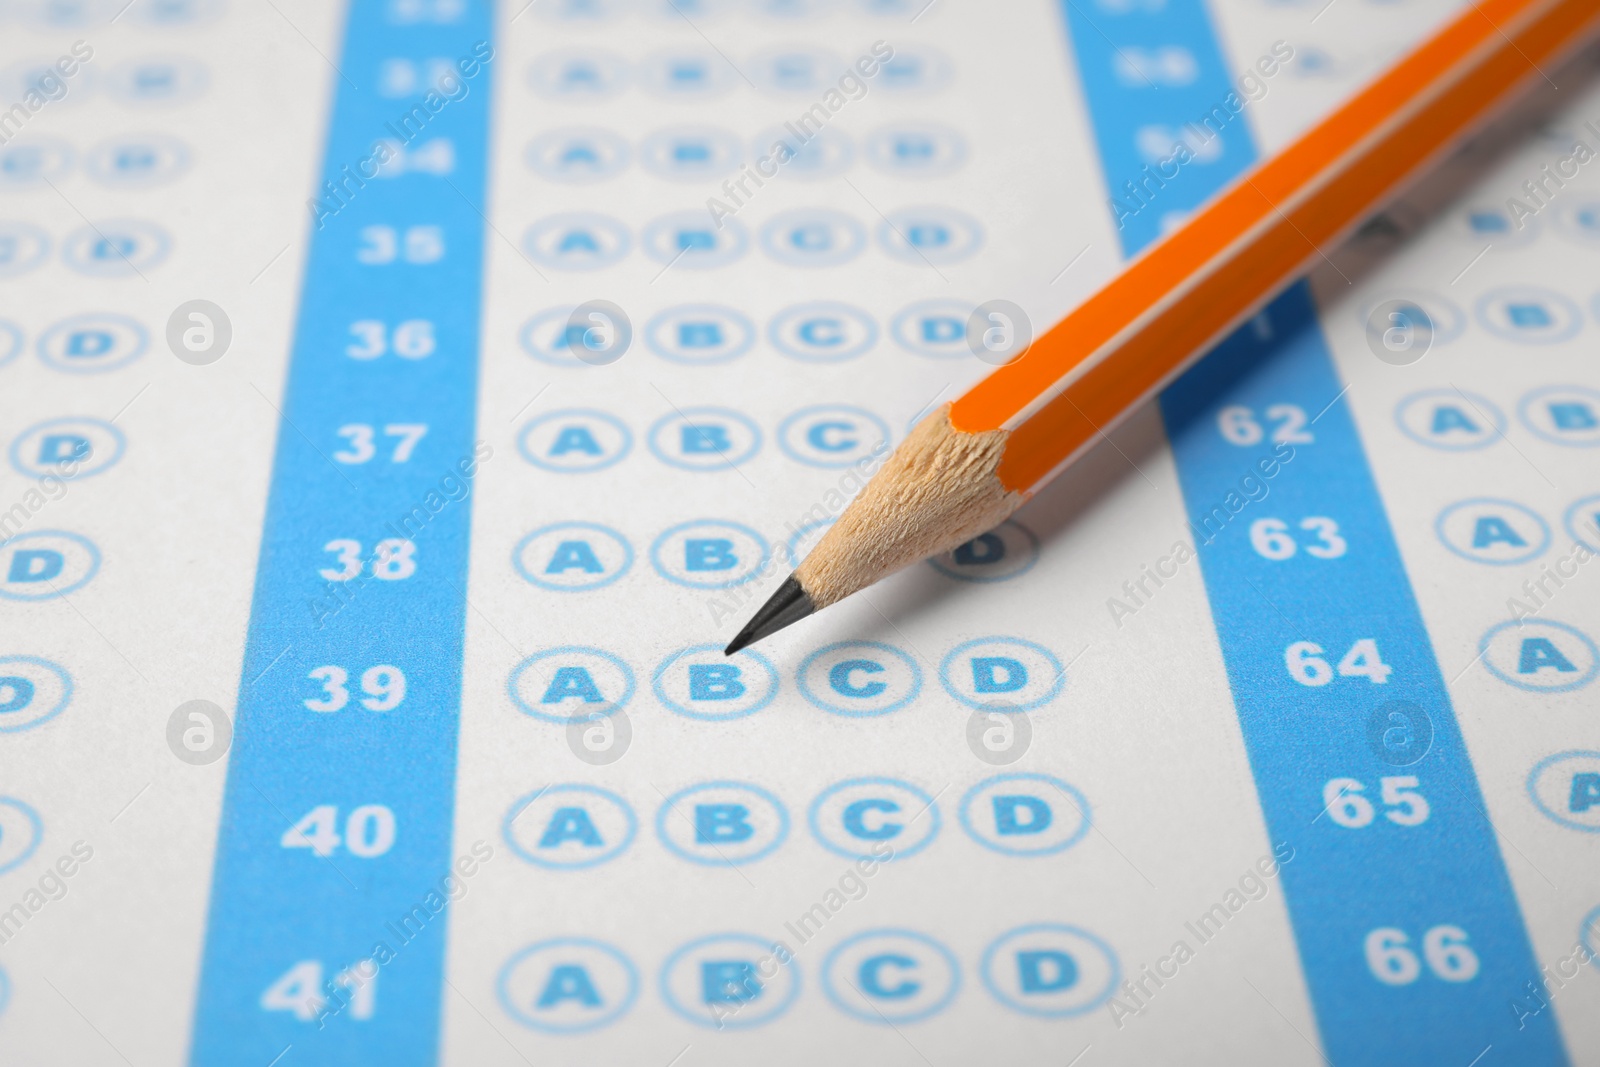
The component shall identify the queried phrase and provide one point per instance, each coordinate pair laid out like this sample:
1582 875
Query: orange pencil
970 464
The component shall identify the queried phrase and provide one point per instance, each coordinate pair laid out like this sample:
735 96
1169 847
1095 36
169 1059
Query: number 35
381 245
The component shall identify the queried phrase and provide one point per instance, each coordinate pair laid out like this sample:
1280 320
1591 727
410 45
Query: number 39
384 686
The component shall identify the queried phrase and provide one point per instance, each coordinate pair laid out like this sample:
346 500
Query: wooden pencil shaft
936 491
969 465
1102 360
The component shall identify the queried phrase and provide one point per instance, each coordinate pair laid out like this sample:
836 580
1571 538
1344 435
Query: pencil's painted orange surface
1252 239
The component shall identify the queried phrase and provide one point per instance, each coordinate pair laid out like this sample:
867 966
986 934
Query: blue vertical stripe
394 262
1410 936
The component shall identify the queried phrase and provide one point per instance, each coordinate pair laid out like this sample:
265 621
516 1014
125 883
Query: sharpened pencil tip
787 606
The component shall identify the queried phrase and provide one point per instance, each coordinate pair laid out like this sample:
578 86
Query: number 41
300 990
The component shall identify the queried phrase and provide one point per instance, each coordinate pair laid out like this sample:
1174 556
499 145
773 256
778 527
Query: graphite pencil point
787 606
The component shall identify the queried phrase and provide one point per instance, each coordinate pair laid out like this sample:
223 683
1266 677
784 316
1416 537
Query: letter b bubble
704 439
567 985
701 683
1529 315
722 823
1565 414
1049 970
686 74
691 153
709 554
699 334
730 981
687 240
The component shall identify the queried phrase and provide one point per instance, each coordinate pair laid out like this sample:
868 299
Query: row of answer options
726 823
882 976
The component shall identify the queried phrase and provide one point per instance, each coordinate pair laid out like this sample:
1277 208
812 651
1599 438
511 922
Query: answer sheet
405 401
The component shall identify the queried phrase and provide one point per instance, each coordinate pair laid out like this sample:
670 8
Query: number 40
368 831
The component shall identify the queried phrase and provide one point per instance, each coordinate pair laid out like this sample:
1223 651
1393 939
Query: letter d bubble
1050 970
1025 814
